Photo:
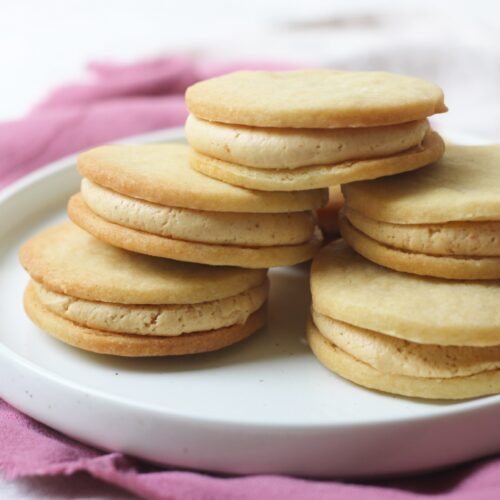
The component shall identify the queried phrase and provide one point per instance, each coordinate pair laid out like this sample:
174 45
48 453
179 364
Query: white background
454 42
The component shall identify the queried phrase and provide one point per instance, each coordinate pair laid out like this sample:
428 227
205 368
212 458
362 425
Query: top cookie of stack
298 130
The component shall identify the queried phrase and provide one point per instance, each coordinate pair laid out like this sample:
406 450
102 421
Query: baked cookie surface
100 298
147 199
464 185
160 173
441 221
68 260
347 287
314 99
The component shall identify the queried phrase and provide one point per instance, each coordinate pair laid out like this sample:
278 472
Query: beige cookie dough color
360 373
314 99
102 342
290 148
463 186
450 267
347 287
68 260
160 173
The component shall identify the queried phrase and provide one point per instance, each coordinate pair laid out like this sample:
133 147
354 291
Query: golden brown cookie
463 186
147 199
104 299
66 259
347 366
314 98
348 288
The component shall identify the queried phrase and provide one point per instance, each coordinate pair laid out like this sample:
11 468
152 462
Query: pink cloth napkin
121 101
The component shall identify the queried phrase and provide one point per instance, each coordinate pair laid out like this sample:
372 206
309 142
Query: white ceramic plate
262 406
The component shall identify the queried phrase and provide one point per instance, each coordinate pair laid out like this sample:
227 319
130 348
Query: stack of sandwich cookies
147 199
107 300
296 130
441 221
402 333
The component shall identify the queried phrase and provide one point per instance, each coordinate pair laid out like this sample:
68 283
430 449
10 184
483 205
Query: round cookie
319 176
67 260
443 221
314 99
186 251
351 289
147 199
290 148
464 185
449 267
107 300
336 360
160 173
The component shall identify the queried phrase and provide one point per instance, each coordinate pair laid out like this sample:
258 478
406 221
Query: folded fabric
116 102
120 101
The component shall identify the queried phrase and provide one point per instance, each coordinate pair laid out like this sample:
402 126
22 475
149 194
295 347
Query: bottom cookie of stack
401 333
107 300
389 364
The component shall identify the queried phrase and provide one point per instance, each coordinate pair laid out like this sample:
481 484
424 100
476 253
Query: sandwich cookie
441 221
147 199
107 300
282 131
401 333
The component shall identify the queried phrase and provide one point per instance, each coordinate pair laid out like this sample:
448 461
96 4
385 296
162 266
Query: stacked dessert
174 242
403 333
148 200
309 129
100 298
441 221
434 333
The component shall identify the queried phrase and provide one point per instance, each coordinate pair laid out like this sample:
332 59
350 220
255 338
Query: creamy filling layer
396 356
161 320
223 228
294 148
478 238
